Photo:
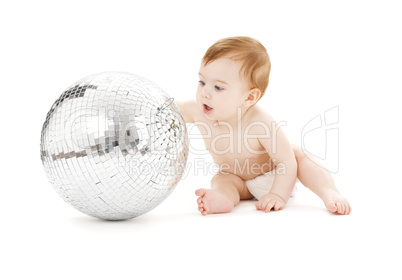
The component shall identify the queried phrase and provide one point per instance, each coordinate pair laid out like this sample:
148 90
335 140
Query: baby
254 156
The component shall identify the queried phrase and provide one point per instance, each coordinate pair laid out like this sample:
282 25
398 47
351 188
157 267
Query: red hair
256 63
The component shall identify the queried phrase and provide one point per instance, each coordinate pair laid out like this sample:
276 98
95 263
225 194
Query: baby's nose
205 94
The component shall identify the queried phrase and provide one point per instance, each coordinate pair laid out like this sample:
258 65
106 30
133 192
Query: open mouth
207 109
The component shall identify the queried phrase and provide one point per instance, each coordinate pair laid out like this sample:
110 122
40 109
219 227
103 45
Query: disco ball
114 145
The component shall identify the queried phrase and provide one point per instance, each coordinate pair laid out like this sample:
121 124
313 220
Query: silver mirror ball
114 145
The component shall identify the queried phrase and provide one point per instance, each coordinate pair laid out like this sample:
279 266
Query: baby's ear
253 96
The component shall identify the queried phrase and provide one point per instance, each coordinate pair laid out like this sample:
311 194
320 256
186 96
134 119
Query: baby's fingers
260 205
269 206
278 206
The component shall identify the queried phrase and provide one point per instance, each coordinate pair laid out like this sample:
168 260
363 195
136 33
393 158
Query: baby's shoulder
259 115
260 122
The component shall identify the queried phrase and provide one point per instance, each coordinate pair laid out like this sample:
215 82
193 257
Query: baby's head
233 70
253 56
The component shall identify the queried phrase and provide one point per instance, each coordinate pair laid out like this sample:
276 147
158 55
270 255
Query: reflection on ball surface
114 145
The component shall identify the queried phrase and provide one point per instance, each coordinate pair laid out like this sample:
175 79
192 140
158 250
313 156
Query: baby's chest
236 151
233 146
233 142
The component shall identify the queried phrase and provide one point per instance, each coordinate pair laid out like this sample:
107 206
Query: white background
325 54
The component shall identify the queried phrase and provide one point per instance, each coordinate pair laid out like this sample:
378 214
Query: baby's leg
225 193
320 181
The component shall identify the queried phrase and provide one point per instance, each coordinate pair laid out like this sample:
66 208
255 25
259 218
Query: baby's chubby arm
187 109
281 153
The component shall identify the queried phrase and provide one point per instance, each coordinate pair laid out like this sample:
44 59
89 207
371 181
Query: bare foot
336 203
213 202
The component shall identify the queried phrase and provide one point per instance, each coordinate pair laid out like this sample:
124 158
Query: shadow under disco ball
114 145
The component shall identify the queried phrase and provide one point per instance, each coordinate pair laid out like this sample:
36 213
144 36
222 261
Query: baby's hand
270 201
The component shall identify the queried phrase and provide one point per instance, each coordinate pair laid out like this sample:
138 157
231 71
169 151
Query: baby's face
221 90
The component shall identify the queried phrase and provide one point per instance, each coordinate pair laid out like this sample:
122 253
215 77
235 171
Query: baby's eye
218 88
202 83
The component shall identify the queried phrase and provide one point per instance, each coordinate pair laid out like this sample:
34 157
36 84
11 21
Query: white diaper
262 184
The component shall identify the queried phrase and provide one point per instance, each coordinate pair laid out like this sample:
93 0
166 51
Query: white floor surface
344 55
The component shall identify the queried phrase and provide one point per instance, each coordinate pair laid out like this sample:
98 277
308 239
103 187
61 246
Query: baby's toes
341 208
202 211
203 208
201 205
332 207
347 209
